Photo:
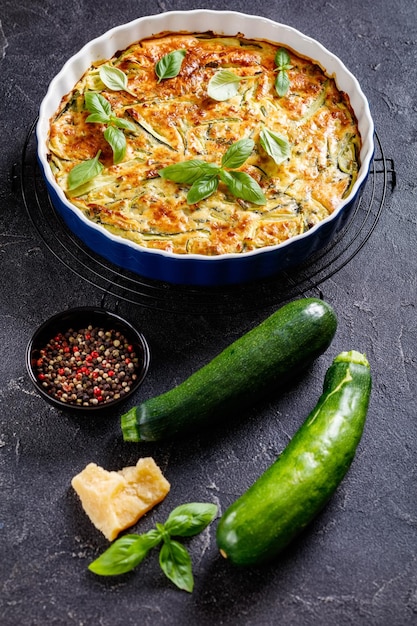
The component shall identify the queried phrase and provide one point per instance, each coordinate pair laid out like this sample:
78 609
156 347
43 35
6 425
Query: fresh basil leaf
175 562
202 188
169 65
275 145
243 186
124 554
190 519
121 122
238 152
223 85
113 78
282 59
188 172
96 103
282 83
85 171
117 140
97 118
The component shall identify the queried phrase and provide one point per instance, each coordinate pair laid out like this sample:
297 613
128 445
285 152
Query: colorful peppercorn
87 367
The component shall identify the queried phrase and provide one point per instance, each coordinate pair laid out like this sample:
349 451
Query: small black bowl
76 319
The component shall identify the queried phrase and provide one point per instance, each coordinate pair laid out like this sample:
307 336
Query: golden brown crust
175 120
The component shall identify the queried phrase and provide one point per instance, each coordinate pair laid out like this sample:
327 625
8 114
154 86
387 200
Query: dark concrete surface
357 563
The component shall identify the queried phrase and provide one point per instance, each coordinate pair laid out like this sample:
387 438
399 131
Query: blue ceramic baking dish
193 269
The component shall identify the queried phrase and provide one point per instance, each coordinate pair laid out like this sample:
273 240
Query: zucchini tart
205 144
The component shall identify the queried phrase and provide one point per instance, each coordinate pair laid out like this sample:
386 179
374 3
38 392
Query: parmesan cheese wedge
114 500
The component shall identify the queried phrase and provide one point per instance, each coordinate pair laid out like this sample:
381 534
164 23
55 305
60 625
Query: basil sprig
204 177
283 64
101 113
129 551
224 84
84 172
169 65
275 145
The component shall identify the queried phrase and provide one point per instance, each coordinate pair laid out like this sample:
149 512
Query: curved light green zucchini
281 345
280 504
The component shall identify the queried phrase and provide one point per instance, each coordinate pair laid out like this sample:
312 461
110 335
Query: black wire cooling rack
70 251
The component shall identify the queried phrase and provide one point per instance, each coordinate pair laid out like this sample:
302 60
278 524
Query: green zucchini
289 494
281 345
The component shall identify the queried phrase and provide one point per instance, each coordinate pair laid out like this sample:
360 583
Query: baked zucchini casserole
201 144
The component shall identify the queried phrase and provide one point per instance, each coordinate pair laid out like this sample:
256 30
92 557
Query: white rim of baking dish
193 21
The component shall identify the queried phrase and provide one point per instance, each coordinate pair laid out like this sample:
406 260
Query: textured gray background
356 564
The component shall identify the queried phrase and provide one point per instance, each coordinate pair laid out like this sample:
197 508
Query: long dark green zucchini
280 504
271 352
